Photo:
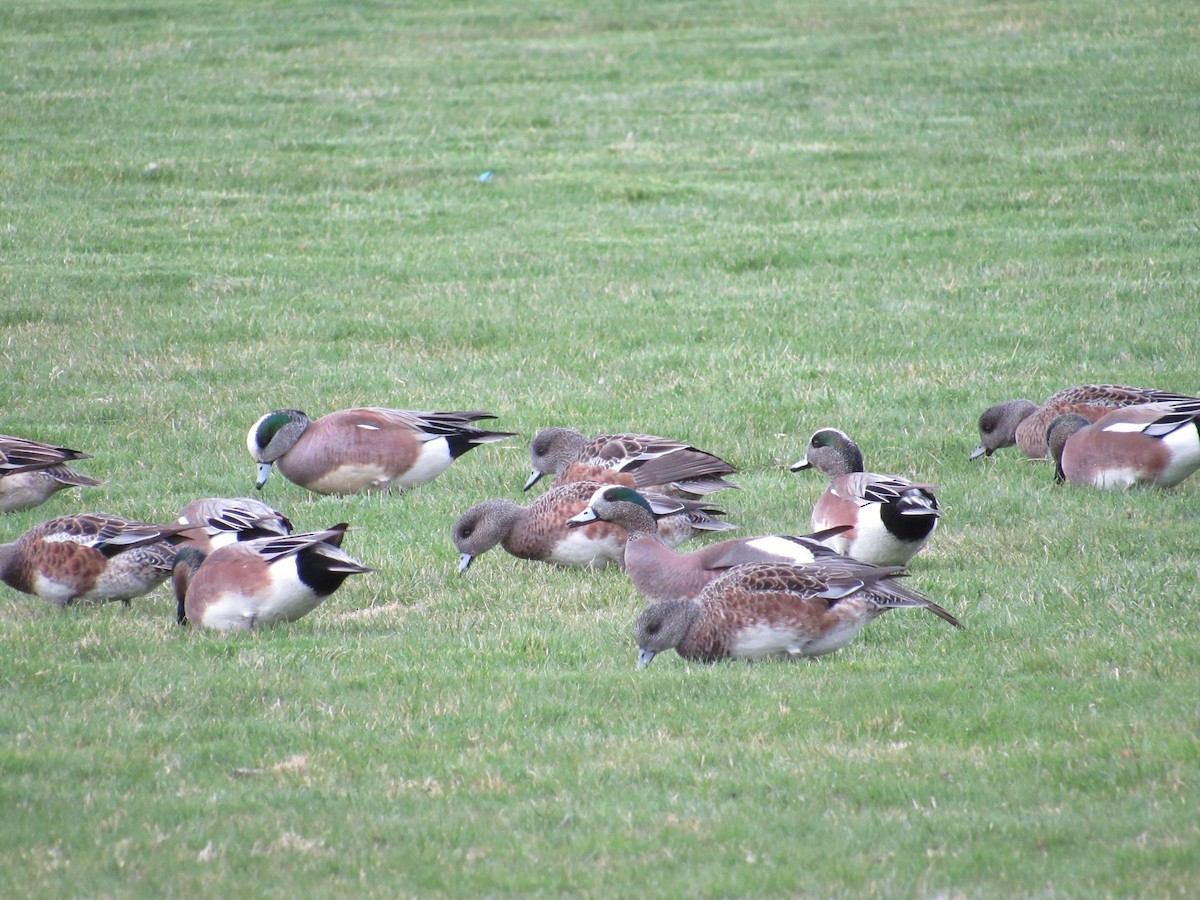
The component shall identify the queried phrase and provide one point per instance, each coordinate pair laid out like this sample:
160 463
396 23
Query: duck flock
623 499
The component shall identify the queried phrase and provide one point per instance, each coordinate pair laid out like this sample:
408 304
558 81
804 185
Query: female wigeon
890 518
773 609
1150 445
249 584
541 531
1023 423
641 461
31 471
90 558
364 449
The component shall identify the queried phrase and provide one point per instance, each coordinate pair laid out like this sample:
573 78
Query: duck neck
10 568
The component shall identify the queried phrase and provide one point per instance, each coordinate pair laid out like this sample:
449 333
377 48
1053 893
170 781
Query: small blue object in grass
486 176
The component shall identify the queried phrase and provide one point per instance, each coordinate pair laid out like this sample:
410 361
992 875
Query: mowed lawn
729 223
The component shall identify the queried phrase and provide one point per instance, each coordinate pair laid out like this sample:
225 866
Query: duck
90 558
1151 445
364 449
660 573
891 518
641 461
30 472
774 610
1024 424
224 520
541 530
247 585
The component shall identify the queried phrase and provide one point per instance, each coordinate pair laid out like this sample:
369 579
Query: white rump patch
435 459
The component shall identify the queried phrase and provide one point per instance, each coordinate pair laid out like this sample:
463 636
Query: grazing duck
890 518
31 471
640 461
249 584
224 520
90 558
541 531
1023 423
772 609
660 573
364 449
1150 445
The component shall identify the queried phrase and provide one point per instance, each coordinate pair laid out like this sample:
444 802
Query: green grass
727 222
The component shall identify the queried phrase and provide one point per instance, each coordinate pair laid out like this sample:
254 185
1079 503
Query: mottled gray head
662 626
998 425
481 528
552 450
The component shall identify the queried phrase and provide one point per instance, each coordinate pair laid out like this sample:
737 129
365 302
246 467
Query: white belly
286 600
353 478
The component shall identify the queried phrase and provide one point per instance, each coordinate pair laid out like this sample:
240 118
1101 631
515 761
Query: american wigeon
1150 445
249 584
364 449
90 558
1024 423
660 573
640 461
31 471
772 609
890 518
540 531
224 520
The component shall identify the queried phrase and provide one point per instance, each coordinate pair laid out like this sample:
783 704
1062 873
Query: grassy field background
732 223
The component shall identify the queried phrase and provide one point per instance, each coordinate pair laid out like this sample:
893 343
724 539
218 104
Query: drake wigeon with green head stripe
1023 423
542 530
90 558
641 461
364 449
774 610
30 472
890 518
1154 445
250 584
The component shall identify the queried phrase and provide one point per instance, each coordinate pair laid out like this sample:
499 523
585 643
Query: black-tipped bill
264 472
584 517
